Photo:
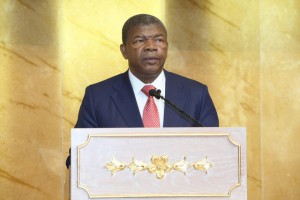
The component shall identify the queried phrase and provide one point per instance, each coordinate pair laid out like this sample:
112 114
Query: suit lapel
125 102
174 93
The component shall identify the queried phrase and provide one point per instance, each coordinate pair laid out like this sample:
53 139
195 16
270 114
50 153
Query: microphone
156 93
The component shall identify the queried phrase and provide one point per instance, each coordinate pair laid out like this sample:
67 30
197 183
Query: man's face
146 51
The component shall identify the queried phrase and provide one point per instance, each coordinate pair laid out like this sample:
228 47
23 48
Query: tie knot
147 88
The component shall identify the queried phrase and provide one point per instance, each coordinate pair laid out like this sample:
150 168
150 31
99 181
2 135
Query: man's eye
139 41
159 40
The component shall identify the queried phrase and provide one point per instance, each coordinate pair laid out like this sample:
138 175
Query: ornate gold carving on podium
202 165
159 165
115 166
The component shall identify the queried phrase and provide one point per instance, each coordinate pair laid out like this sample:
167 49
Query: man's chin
153 70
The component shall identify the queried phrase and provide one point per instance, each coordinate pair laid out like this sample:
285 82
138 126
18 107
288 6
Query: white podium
159 163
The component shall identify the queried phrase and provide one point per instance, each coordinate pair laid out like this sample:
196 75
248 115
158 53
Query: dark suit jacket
111 103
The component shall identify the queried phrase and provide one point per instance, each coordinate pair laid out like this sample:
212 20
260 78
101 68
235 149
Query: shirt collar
137 84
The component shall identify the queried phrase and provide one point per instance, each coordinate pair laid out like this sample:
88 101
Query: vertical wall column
31 102
217 43
280 62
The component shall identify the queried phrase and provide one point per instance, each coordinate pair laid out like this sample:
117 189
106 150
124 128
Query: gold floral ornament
181 166
159 166
115 166
136 166
202 165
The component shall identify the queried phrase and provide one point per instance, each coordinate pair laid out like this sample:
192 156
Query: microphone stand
156 94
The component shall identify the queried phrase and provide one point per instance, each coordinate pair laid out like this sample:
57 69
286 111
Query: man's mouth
151 60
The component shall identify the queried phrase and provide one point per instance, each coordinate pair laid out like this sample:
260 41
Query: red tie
150 114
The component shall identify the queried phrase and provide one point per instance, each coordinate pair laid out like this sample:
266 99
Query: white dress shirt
141 98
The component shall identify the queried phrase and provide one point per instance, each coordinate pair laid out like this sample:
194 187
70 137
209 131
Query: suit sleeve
208 113
86 115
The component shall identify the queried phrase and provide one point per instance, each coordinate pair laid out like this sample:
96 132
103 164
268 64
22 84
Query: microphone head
152 92
155 93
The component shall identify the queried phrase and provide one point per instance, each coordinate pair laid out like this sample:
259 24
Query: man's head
140 20
145 46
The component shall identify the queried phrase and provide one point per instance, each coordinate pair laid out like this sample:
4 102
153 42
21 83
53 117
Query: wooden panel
206 163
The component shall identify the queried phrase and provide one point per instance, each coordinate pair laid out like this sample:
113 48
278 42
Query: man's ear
123 50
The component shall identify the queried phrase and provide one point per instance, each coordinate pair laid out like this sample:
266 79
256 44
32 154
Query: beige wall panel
91 36
216 43
280 42
30 103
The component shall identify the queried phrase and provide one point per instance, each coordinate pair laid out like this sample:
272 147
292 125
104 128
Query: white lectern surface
159 163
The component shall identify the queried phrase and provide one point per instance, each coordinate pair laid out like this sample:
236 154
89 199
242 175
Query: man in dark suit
119 101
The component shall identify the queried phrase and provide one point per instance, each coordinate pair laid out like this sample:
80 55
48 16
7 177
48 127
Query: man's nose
151 45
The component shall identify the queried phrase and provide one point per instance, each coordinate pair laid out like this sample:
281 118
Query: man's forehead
151 29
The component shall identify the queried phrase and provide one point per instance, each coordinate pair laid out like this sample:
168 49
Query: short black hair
140 20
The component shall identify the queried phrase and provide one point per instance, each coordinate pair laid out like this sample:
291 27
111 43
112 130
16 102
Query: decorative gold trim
78 166
115 166
159 166
181 166
203 165
228 194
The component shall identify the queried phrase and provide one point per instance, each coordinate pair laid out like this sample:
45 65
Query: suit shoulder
107 83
